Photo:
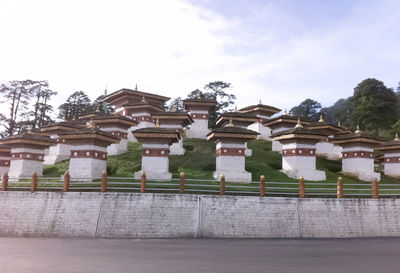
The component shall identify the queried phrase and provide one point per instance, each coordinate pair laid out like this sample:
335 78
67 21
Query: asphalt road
199 255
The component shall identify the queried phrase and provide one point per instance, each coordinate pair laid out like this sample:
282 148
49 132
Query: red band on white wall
155 152
89 154
298 152
230 152
358 154
27 156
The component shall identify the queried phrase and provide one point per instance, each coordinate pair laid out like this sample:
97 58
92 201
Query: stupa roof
326 127
285 118
389 145
356 137
126 93
156 133
113 118
270 110
182 116
236 116
199 102
231 132
27 138
63 125
90 133
5 148
298 132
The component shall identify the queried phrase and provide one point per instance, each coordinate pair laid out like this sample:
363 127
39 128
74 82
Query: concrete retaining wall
132 215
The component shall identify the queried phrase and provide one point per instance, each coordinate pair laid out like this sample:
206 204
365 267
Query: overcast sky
281 51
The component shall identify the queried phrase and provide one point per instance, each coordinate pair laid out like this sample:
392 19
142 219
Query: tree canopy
307 109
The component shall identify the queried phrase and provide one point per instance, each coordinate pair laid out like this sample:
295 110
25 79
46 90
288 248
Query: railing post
4 184
104 181
262 185
66 181
339 187
143 183
34 182
375 189
182 183
222 185
302 188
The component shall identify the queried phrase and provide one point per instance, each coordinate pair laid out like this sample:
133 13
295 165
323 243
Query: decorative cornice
155 152
94 154
230 152
299 152
27 156
357 154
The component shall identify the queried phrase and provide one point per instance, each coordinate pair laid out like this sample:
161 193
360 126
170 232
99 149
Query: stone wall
133 215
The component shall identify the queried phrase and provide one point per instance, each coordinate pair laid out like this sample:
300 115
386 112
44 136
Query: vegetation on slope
199 163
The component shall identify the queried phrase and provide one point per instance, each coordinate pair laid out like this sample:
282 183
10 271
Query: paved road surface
202 255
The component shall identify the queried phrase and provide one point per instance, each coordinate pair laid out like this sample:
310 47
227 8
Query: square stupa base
177 151
364 176
233 176
154 175
53 159
311 175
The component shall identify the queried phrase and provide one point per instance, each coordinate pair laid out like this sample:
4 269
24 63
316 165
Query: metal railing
183 185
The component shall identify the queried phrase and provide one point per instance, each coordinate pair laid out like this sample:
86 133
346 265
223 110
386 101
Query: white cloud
171 47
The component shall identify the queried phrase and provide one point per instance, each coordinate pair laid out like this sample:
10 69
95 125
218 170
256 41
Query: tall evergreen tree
373 106
76 105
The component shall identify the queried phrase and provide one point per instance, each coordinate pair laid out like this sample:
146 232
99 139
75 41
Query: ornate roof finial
321 119
143 99
338 124
230 124
91 124
259 101
136 87
173 109
198 96
157 123
396 137
358 131
291 114
298 125
285 111
236 108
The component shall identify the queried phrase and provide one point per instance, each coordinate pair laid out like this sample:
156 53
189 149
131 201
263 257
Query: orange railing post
262 185
143 182
34 182
182 183
66 181
4 184
339 187
222 185
104 181
302 188
375 189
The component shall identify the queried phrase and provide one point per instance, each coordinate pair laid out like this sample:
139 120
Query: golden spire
338 124
321 119
285 111
157 123
91 124
236 108
173 109
143 99
259 101
198 96
230 124
396 137
291 114
298 125
358 131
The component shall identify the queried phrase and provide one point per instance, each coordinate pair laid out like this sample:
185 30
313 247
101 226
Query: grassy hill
199 163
